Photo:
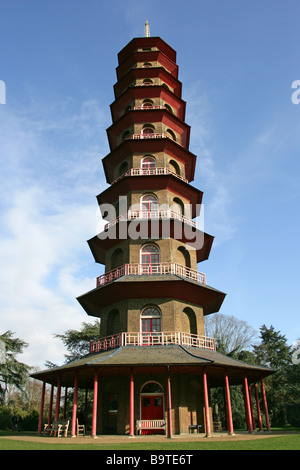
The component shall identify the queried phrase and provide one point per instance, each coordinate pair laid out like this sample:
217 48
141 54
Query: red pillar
206 406
252 410
40 425
131 404
74 415
57 399
247 405
228 406
95 405
258 409
51 405
265 405
169 403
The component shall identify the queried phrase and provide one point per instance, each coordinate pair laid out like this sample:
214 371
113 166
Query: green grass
286 442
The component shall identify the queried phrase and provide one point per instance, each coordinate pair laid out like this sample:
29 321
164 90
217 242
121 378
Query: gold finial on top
147 30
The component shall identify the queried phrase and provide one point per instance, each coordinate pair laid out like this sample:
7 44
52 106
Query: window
148 131
147 64
150 255
147 104
148 165
150 321
149 204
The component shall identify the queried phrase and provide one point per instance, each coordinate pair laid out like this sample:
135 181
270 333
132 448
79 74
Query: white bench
149 424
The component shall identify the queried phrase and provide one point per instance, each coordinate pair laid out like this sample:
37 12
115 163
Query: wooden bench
192 427
58 428
149 424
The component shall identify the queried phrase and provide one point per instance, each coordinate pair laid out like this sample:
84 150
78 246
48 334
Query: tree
231 334
77 342
12 372
274 352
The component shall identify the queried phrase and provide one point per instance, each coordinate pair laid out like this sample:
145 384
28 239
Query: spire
147 30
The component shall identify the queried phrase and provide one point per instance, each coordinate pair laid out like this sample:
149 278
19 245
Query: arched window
171 134
147 104
123 168
183 257
174 167
178 205
150 321
125 135
152 387
149 204
168 107
148 165
117 258
148 131
147 81
147 64
150 259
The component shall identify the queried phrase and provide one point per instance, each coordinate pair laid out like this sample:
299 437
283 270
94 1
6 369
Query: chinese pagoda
152 367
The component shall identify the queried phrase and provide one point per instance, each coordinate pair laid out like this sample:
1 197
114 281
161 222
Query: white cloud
48 211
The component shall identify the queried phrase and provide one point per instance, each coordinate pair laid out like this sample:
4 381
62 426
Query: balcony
155 214
152 339
135 269
149 171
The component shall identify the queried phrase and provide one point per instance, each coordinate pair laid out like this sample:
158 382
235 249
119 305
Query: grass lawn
285 442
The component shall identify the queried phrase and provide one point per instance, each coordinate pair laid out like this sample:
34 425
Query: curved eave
202 242
153 72
138 92
154 359
169 146
153 41
149 115
152 183
165 286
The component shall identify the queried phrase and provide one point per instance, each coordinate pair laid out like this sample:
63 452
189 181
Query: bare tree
231 334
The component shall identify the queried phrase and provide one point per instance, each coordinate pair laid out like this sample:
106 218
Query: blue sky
237 62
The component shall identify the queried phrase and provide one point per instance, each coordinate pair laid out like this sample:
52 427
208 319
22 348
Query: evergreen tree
77 342
274 352
12 372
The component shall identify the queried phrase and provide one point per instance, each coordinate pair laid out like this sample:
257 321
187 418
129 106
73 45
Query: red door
152 408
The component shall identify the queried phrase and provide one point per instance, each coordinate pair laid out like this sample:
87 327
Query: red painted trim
252 410
40 425
74 415
131 404
206 405
258 409
228 406
169 404
247 405
265 405
95 405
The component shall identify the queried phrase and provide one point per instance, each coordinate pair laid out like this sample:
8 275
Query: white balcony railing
155 214
149 171
152 339
135 269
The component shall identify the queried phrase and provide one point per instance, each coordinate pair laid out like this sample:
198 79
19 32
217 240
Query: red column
258 409
95 405
131 404
265 405
206 405
252 410
51 405
228 406
40 425
74 415
247 405
169 403
57 399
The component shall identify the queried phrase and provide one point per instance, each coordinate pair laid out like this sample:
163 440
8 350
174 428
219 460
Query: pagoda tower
152 366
